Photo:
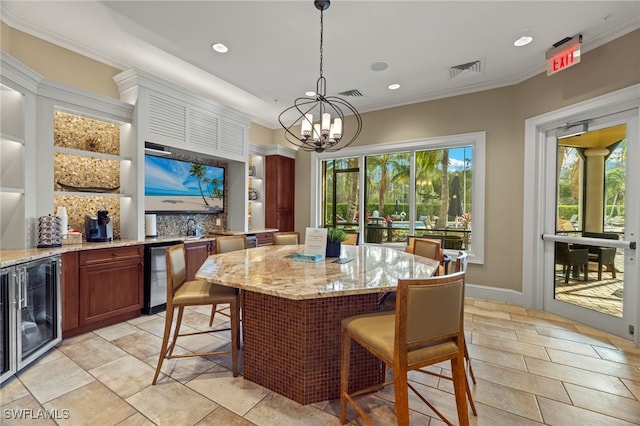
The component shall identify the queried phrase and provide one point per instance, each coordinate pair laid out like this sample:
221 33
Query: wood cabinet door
110 289
196 253
279 192
69 291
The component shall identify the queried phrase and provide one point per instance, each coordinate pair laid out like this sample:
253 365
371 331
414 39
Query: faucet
191 227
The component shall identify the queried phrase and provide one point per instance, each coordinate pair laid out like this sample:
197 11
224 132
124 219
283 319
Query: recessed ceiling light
220 48
394 86
310 93
379 66
523 41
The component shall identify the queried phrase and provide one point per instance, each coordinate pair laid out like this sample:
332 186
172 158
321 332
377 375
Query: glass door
39 326
6 323
591 273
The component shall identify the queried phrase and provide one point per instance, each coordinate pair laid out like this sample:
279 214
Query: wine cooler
30 314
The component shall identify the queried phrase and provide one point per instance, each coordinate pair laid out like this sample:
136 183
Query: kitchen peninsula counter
292 312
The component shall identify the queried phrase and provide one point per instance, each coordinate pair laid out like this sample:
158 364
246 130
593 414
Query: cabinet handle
22 289
114 254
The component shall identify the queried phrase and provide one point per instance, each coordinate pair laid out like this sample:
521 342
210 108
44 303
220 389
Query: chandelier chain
321 38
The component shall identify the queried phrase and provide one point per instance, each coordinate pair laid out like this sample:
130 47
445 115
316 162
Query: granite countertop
270 270
12 257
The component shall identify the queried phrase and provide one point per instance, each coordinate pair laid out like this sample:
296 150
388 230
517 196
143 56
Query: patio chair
572 259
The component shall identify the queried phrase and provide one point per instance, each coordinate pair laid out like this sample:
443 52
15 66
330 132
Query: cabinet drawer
264 239
90 257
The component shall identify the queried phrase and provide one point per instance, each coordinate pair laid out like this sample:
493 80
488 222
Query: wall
499 112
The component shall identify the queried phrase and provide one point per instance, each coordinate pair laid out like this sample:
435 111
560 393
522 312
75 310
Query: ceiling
274 45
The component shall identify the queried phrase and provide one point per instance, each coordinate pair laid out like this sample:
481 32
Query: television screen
173 186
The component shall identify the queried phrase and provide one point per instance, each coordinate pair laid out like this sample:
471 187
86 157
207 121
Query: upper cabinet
171 116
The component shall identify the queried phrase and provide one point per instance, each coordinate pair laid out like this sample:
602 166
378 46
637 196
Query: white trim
476 139
533 189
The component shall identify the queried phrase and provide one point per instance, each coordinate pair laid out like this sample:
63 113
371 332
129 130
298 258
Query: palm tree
444 195
198 171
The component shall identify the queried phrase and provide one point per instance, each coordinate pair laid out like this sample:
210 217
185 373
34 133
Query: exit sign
564 56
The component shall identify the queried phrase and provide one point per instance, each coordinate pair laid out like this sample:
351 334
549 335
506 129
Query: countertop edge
11 257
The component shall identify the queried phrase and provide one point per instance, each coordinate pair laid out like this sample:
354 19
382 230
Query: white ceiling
274 45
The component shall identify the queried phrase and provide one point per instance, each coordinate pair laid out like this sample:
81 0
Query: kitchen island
292 312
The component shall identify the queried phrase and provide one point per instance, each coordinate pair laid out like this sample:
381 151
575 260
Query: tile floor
531 368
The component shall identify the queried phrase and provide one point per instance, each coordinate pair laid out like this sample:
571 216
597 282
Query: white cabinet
171 116
17 150
255 168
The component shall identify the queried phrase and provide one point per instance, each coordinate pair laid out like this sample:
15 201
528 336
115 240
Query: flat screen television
177 186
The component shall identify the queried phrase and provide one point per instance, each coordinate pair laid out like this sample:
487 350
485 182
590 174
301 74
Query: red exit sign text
563 57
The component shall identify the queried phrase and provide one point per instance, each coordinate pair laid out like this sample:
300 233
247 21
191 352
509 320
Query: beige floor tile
509 346
504 323
276 410
625 345
521 380
114 331
136 420
552 342
381 411
598 365
618 355
185 369
545 320
492 305
578 376
171 403
124 376
496 356
234 393
138 321
486 313
93 404
140 344
92 353
52 379
574 336
12 390
490 416
634 387
27 411
557 413
154 326
605 403
507 398
223 417
490 330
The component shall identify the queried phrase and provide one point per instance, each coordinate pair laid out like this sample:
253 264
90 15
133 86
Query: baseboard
493 293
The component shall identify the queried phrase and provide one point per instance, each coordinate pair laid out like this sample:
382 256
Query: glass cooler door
7 323
39 325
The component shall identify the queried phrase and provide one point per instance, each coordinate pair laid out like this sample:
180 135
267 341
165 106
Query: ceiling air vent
352 92
466 70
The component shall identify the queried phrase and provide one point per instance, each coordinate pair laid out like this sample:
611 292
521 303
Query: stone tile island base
292 347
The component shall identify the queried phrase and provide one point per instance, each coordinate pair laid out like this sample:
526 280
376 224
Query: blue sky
456 157
166 176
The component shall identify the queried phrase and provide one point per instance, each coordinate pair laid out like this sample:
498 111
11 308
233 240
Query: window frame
476 139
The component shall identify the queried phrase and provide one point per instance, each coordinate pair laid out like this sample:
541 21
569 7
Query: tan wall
260 134
58 64
500 112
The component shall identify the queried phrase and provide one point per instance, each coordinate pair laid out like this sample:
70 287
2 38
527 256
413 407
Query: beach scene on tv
172 185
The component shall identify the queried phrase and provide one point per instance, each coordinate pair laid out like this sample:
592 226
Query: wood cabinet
101 287
196 253
279 192
264 239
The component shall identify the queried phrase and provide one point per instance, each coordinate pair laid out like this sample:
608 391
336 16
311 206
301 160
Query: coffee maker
100 228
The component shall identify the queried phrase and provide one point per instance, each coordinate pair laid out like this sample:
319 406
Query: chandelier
326 134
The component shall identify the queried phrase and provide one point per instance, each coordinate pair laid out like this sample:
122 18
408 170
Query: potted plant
335 237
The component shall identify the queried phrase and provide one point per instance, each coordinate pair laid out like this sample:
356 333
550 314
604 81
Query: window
429 187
